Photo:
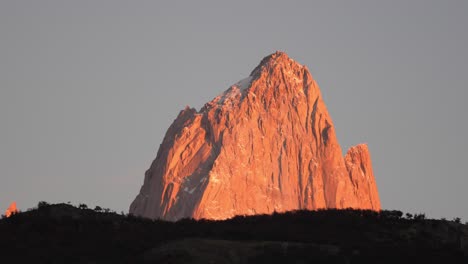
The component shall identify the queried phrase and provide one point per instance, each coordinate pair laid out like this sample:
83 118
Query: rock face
359 166
11 209
266 144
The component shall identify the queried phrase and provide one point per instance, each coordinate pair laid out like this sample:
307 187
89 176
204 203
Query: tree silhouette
42 204
419 216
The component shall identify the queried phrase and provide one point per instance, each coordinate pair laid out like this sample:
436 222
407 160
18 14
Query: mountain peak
272 74
267 144
277 58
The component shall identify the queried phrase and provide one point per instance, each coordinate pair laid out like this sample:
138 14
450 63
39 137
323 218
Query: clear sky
88 88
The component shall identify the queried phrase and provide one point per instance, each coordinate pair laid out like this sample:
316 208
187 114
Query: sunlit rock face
266 144
11 209
359 166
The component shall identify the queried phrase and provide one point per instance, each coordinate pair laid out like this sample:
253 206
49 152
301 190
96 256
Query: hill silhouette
62 233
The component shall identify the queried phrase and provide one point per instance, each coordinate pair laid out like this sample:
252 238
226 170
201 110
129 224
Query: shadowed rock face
266 144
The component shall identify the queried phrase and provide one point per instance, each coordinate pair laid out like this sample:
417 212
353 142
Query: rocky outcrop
266 144
359 165
11 209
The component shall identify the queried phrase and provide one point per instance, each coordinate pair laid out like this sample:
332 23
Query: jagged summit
266 144
271 66
274 68
278 58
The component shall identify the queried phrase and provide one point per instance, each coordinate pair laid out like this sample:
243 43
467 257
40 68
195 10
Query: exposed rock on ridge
266 144
11 209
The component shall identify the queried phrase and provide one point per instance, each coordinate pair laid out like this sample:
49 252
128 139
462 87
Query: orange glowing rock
11 210
266 144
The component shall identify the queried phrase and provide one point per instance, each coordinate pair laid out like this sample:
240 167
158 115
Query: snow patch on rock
244 83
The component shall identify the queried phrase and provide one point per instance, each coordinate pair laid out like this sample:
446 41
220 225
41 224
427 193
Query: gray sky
88 88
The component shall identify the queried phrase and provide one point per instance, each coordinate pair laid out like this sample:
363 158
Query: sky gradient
88 89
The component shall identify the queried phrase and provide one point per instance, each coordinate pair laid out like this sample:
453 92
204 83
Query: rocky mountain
266 144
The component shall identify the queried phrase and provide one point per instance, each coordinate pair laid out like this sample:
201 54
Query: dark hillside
62 233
